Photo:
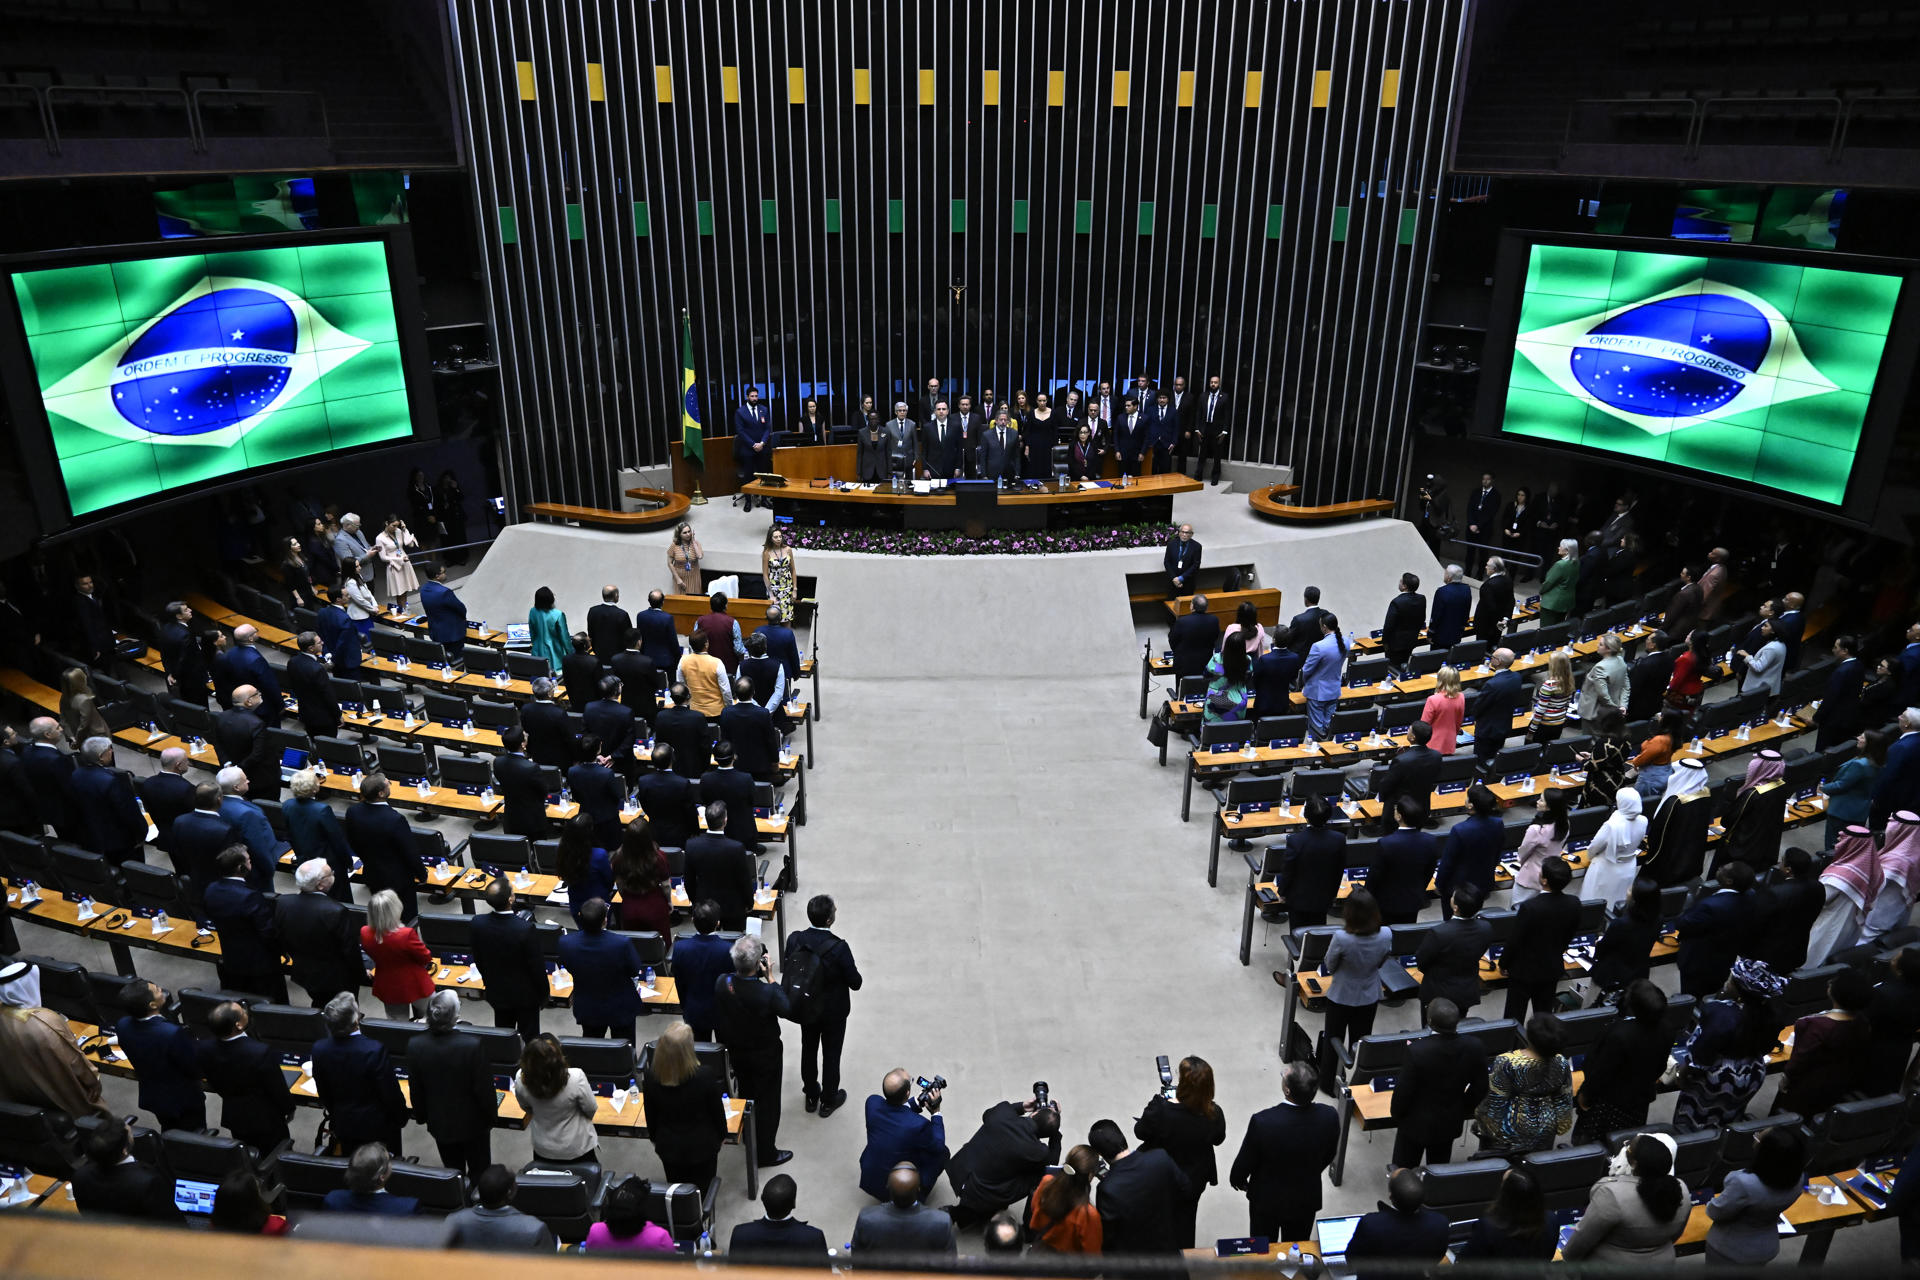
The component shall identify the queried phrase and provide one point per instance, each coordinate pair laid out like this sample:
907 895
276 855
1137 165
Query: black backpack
803 976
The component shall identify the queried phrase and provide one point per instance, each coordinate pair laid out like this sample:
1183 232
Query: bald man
1500 700
240 738
248 665
49 771
609 628
167 794
903 1224
1790 627
897 1132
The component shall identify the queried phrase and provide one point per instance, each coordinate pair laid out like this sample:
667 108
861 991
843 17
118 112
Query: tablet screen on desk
1335 1235
194 1197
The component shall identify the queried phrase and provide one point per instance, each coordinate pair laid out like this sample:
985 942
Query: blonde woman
777 568
79 709
1552 699
686 1116
683 561
392 546
1446 707
402 965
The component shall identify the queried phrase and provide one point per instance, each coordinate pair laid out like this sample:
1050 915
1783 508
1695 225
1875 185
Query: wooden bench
1264 502
1224 604
671 507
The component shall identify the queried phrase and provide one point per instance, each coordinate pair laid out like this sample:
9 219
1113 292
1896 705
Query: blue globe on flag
1676 357
215 360
693 404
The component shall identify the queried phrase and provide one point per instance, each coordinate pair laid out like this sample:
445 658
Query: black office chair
343 756
525 666
1356 720
469 775
1360 786
428 653
393 1034
1524 758
1276 728
1738 1140
1368 671
1583 823
500 852
387 644
563 1199
649 946
104 989
445 708
190 720
1806 992
42 1139
546 858
276 818
439 1191
1226 735
1378 1056
1496 1035
683 1208
403 764
432 845
607 1061
286 1028
348 693
709 1055
502 1045
1567 1175
1395 716
1853 1132
497 716
25 858
446 933
1463 1189
208 1157
483 660
89 875
1584 1027
306 1179
66 988
198 1003
1316 782
1468 653
1428 661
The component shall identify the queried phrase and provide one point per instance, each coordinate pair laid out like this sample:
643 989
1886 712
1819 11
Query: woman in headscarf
1613 858
1852 881
1677 832
1900 871
1756 816
1723 1060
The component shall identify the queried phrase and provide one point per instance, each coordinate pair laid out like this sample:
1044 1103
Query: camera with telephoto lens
1165 1069
926 1086
1043 1096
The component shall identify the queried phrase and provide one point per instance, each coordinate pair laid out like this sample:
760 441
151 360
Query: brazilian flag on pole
691 433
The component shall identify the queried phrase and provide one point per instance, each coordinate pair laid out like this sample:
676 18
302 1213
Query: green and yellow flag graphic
692 435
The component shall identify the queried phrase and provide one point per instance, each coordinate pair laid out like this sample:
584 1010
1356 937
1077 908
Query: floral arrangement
1010 542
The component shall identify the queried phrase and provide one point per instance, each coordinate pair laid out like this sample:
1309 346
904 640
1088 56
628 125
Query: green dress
1557 592
550 637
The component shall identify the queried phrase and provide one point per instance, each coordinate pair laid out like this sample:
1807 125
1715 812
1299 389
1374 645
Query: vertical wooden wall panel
847 199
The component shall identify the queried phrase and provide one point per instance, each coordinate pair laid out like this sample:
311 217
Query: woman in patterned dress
776 566
1723 1060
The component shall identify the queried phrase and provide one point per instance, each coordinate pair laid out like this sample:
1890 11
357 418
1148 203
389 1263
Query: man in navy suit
1129 436
163 1057
1286 1150
355 1080
1272 675
49 772
240 737
1500 699
685 730
1899 784
167 794
446 615
604 969
1183 559
1000 449
242 916
340 639
609 629
940 444
701 959
506 949
308 680
384 842
1403 1229
1413 771
779 1232
255 1103
251 667
1452 607
1163 431
668 800
1483 514
550 737
597 790
200 836
1839 715
752 439
1193 638
781 642
523 788
612 721
733 787
1712 929
639 679
1473 849
720 868
748 728
1543 928
658 639
104 806
1404 863
1791 626
181 657
255 832
897 1132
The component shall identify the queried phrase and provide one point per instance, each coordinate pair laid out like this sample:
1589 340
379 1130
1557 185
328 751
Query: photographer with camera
898 1132
1006 1157
1183 1120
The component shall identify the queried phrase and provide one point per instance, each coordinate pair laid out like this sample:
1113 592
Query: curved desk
669 508
978 507
1265 502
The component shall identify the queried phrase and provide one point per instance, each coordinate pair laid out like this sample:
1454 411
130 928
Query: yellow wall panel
1185 93
1322 87
596 83
1122 86
926 86
862 87
797 86
1253 88
730 84
1390 87
663 84
525 69
1056 88
989 88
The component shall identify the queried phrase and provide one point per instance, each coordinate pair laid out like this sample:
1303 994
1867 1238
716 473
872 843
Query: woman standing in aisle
547 630
393 544
361 606
777 569
683 560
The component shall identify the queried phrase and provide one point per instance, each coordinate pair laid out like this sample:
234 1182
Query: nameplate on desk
1357 875
1345 738
1448 788
1532 600
1381 1084
1515 779
1375 635
1167 656
1283 744
1806 793
469 789
1545 648
1364 682
1575 846
1255 806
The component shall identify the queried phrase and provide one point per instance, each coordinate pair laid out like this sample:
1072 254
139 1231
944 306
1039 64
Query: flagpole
698 499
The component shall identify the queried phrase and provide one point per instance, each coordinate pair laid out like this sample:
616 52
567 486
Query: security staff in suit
685 730
1212 424
550 736
356 1083
609 629
319 936
163 1058
1452 606
598 791
1403 863
822 1036
1129 437
658 639
720 869
388 855
181 655
1193 639
1183 558
747 1010
243 918
1449 958
1286 1150
752 440
104 808
1839 715
1414 770
668 800
903 441
308 681
941 445
727 784
749 729
522 786
1000 449
778 1233
1443 1081
613 722
1494 616
49 772
506 950
1712 930
167 794
639 680
446 614
604 969
450 1082
250 666
255 1103
1163 431
1483 514
240 737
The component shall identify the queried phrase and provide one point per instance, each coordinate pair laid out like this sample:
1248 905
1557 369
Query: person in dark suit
389 857
104 808
506 950
167 794
200 836
1163 431
999 451
1452 607
113 1183
1500 700
523 788
700 959
1444 1078
1414 771
902 1224
446 614
597 790
668 800
1623 1070
255 1103
1543 928
1682 613
369 1165
733 787
92 633
18 812
240 736
1315 858
610 629
1592 582
1193 639
550 736
308 680
1784 913
748 727
1403 1229
1473 848
777 1233
1211 421
940 443
1137 1195
1483 514
1449 957
250 666
1839 715
340 640
1711 931
181 656
753 441
1648 677
1493 616
1899 784
49 770
1404 863
824 1028
720 868
318 935
685 730
613 722
899 1134
451 1083
243 918
658 639
1305 629
747 1010
1004 1160
1790 627
162 1056
1286 1150
781 643
1272 675
580 673
1183 559
639 681
604 969
1129 436
1406 617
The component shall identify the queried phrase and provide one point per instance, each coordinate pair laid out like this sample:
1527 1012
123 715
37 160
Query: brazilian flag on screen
162 372
1754 371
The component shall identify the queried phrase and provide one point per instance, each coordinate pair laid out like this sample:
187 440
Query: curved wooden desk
1263 501
671 507
1149 498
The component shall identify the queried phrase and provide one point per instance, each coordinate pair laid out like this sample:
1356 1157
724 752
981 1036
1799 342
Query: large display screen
184 368
1746 369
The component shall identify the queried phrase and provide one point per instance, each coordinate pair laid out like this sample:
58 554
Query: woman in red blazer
640 871
402 965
